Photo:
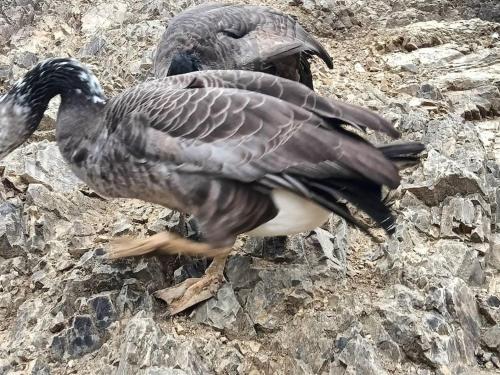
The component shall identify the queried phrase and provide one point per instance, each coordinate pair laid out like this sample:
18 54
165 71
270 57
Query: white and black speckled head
22 108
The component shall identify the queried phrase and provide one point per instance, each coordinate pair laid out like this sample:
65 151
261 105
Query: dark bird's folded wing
234 37
253 139
332 111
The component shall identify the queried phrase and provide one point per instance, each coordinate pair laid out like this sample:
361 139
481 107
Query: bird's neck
48 79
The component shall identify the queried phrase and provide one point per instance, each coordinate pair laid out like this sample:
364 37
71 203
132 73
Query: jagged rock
190 270
424 56
489 307
38 367
80 338
224 312
26 60
491 338
5 73
462 216
40 163
103 309
477 103
141 345
163 371
104 16
433 33
94 47
359 357
494 258
274 248
472 78
12 240
267 293
445 178
330 250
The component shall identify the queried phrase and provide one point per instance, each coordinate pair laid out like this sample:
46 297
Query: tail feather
361 192
403 154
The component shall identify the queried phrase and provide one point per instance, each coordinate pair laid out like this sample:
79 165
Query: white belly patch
295 215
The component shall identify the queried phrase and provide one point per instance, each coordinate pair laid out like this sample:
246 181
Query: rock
141 345
104 16
94 47
275 248
424 56
462 216
224 312
446 178
489 307
268 293
163 371
5 73
39 367
80 338
476 104
494 258
359 357
12 239
40 163
331 250
26 60
103 309
491 338
472 78
186 356
190 270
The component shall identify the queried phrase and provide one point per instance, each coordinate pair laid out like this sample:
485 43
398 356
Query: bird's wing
252 138
234 36
263 34
332 111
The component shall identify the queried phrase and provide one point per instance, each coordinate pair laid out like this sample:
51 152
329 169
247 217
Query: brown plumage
244 152
237 37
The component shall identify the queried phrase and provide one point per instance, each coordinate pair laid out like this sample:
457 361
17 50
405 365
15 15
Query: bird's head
22 107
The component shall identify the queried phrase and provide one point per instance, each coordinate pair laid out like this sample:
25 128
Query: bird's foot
195 290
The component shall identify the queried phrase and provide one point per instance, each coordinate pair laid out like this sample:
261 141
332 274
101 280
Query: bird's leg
195 290
190 291
164 242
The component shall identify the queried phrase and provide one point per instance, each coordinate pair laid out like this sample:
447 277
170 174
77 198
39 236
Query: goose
244 152
237 37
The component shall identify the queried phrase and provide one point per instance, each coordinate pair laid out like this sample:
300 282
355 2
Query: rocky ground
423 302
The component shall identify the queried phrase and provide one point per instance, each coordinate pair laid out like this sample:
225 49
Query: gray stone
77 340
224 312
141 345
103 309
267 294
12 238
359 357
162 371
462 216
94 47
104 16
446 178
186 356
40 163
491 338
26 59
196 268
424 56
274 248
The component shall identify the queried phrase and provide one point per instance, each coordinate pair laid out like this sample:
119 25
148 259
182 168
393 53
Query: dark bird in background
244 152
237 37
